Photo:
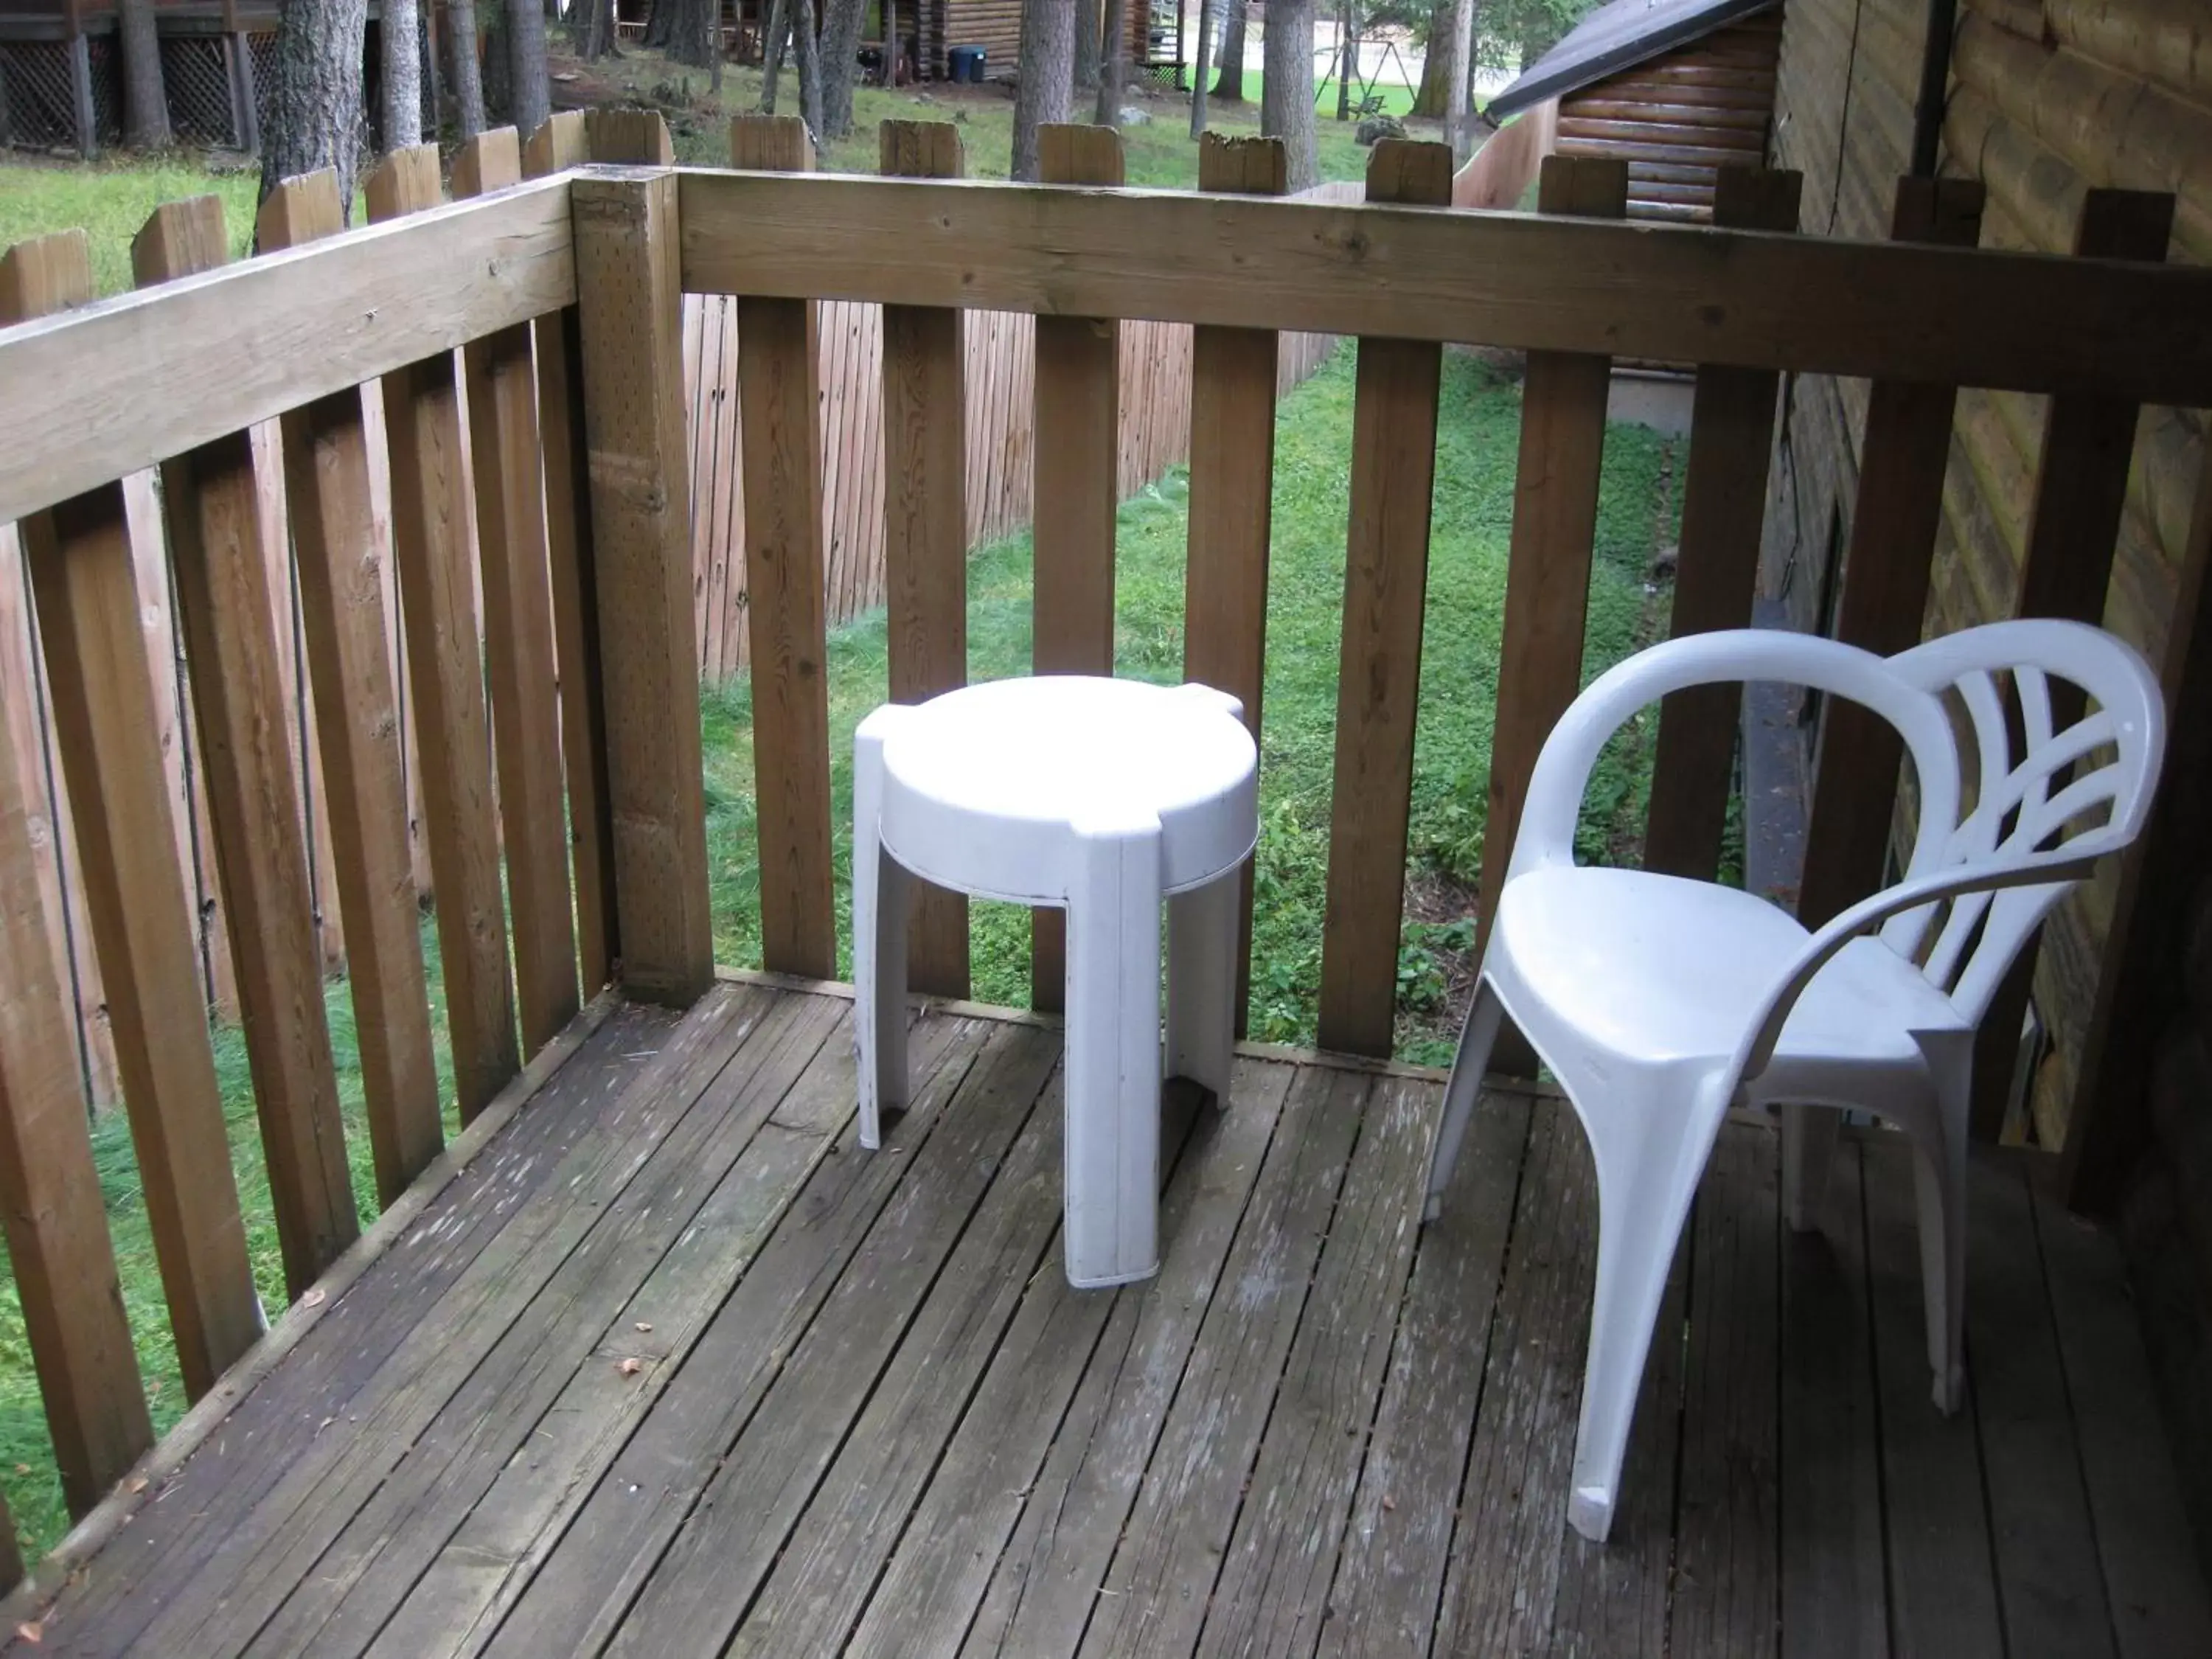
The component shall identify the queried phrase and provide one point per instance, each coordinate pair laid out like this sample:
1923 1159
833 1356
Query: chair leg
1809 1134
1476 1040
1202 984
1647 1176
879 923
1939 1173
1111 1074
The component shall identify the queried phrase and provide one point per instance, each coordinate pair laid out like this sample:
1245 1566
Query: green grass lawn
1158 153
112 202
1476 448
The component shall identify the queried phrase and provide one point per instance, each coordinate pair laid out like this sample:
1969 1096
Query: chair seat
1659 969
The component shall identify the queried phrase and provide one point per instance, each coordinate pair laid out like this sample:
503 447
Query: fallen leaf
645 1324
139 1486
22 1468
32 1633
630 1367
314 1298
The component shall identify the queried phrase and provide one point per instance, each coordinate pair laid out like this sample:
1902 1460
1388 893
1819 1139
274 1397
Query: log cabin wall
996 26
1678 118
2047 99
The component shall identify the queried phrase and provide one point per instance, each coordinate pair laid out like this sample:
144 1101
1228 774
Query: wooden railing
561 296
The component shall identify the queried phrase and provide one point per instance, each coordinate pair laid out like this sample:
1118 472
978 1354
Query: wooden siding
2047 100
996 26
1679 118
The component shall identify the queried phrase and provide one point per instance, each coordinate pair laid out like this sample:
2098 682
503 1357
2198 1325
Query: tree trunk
1286 88
314 100
401 73
1347 56
1200 67
1229 57
467 74
1457 49
1114 57
1047 77
145 101
592 28
1429 102
806 46
841 53
1086 44
779 31
529 87
691 31
660 24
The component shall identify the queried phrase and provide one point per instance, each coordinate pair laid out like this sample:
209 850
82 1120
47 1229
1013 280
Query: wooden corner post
926 527
1386 571
629 308
1077 397
1723 511
781 435
1232 470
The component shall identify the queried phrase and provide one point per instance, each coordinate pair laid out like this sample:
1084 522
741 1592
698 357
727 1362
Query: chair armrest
1982 875
1547 833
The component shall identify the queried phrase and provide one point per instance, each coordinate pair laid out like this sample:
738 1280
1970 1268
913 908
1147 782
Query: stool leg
1111 1074
1202 983
880 914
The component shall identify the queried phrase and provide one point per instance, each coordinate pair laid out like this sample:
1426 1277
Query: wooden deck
671 1367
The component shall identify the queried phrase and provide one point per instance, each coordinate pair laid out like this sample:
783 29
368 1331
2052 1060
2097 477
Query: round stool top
1068 749
973 777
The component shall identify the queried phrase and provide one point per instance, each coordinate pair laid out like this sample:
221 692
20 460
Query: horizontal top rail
92 395
1677 292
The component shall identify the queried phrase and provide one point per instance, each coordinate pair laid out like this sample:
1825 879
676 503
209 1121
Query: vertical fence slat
2080 493
101 694
1232 470
1394 452
437 593
212 500
51 1207
511 547
629 300
1077 431
1723 510
1554 523
557 145
779 431
357 724
1884 596
925 420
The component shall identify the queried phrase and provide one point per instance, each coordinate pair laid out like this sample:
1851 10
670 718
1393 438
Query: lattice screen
36 107
197 76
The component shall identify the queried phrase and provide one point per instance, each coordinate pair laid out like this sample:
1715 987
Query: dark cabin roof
1615 37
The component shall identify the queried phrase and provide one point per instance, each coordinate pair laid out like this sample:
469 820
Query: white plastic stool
1104 796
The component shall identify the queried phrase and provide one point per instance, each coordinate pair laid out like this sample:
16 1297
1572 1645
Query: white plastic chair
1105 796
1658 1003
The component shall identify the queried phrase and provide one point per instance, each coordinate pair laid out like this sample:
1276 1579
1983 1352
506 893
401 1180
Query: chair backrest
2037 789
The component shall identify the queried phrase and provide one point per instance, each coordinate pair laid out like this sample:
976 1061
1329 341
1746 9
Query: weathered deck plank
867 1415
1168 1554
1942 1590
1391 1569
1039 1395
1728 1573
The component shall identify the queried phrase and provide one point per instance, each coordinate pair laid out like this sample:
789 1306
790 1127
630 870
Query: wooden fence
1000 370
1155 435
